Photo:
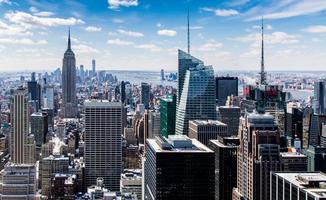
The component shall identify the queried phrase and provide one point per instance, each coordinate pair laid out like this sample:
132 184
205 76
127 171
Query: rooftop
208 122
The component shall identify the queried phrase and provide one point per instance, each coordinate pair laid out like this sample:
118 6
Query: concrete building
18 182
294 185
294 162
131 182
103 149
153 123
230 115
205 130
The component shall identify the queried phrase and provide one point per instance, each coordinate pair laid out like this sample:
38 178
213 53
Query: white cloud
151 47
117 21
28 20
158 25
5 2
167 32
209 46
286 9
44 14
221 12
33 9
267 27
316 29
130 33
273 38
120 42
93 29
115 4
6 29
22 41
83 48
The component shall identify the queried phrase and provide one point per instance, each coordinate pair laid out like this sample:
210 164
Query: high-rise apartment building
103 148
225 149
167 115
205 130
225 86
69 99
178 168
197 100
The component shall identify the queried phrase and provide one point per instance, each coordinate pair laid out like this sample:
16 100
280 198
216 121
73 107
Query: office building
169 174
225 86
315 129
48 97
103 150
162 75
34 91
316 158
294 186
18 182
39 127
319 97
294 162
225 149
230 115
123 92
167 115
145 95
153 123
197 100
258 155
93 67
131 182
20 126
205 130
294 122
69 99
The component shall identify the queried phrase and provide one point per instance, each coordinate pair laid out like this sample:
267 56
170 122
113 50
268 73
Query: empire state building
69 104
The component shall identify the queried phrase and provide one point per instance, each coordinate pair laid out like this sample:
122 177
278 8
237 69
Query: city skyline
140 35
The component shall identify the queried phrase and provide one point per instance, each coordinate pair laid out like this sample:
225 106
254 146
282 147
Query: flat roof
301 180
101 103
207 122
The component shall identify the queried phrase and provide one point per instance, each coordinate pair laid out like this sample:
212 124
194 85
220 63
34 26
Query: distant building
39 127
315 129
145 94
205 130
316 158
103 150
168 174
294 162
319 97
93 67
162 75
34 91
230 115
167 115
153 123
294 122
225 149
197 100
225 86
69 99
294 185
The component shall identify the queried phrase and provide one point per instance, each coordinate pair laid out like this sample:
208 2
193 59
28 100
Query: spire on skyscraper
262 64
69 41
188 29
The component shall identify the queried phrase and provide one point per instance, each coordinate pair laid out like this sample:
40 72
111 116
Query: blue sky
145 34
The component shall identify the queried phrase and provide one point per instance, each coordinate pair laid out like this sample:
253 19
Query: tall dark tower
262 64
69 103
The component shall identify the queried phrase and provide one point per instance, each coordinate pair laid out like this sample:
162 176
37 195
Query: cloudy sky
145 34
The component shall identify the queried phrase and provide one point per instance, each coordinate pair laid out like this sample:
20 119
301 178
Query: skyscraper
258 155
230 115
293 122
178 168
225 149
34 91
167 116
39 127
319 97
197 100
145 94
225 86
69 101
94 67
153 123
20 126
103 150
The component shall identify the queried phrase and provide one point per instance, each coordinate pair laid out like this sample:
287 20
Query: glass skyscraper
167 119
197 100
